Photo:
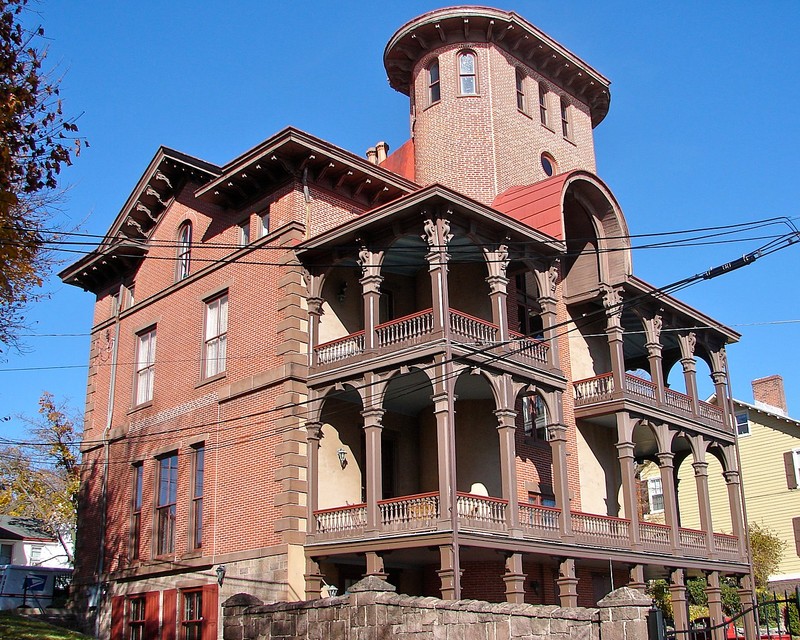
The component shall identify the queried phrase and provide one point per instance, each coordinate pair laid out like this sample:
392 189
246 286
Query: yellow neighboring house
769 449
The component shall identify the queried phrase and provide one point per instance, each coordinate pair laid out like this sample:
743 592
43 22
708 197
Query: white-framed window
467 73
264 222
434 82
36 553
543 115
520 82
566 124
742 424
145 365
184 250
215 348
655 495
796 464
244 233
165 504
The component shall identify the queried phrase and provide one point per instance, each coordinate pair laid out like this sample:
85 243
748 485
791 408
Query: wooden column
733 482
313 436
374 467
314 579
558 442
314 316
630 498
447 572
514 579
497 263
704 503
687 341
371 292
680 607
715 614
567 583
652 327
375 565
667 470
748 604
636 580
446 463
612 300
437 235
506 432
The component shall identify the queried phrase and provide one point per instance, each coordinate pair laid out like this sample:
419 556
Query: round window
548 164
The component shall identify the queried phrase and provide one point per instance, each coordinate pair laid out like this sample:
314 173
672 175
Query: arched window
184 250
520 90
434 85
467 74
543 105
566 125
534 417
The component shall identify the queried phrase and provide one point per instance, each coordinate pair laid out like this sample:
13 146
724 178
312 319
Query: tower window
467 76
543 105
520 91
434 85
549 164
566 125
184 250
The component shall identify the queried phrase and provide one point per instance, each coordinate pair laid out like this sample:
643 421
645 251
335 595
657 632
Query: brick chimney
768 394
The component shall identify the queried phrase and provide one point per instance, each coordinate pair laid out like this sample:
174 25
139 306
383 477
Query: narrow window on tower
215 347
145 365
543 105
184 250
434 84
566 125
467 74
198 469
136 511
165 507
520 91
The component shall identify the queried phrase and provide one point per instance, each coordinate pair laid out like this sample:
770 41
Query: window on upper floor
549 165
434 83
520 83
145 366
655 495
184 250
529 319
742 424
542 498
534 417
165 504
36 553
244 233
6 552
566 124
192 615
791 462
196 511
136 510
543 114
263 218
215 347
467 73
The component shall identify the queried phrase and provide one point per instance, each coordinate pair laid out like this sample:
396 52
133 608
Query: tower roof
505 29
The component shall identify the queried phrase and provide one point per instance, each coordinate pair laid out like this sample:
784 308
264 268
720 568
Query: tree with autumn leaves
36 141
39 477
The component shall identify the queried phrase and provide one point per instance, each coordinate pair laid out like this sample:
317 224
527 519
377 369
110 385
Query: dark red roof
537 205
401 161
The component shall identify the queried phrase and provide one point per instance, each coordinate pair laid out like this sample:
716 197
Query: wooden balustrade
340 348
640 387
341 522
678 400
712 412
529 348
410 513
591 528
693 541
481 512
405 329
467 326
594 389
541 522
654 536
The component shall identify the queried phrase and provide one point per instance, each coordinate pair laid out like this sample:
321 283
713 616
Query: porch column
506 431
567 583
447 573
514 579
314 579
374 470
733 482
314 315
687 341
497 263
612 301
652 327
680 610
437 235
443 446
745 591
371 292
627 467
636 580
704 503
375 565
667 469
557 434
714 594
547 281
313 436
719 376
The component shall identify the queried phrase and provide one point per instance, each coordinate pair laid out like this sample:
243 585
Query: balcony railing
601 389
422 512
418 327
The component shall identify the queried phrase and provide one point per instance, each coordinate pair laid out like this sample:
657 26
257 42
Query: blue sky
702 131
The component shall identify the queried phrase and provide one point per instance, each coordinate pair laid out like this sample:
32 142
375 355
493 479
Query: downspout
109 421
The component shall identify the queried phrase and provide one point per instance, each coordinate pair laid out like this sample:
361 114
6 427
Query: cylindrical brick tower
494 101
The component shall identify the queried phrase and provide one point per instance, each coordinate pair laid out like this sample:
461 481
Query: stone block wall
373 611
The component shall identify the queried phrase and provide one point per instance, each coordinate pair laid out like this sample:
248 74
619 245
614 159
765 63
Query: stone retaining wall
372 611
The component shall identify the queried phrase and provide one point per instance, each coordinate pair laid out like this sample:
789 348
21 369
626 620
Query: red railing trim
598 515
415 496
672 392
539 506
648 383
456 312
610 374
342 339
348 507
417 314
464 494
654 524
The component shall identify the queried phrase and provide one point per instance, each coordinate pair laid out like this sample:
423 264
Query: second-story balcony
421 513
600 392
418 329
